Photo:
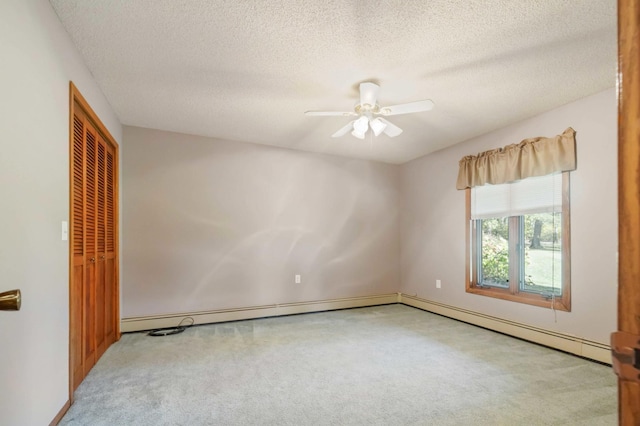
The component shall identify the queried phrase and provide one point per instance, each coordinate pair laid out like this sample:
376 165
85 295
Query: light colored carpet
384 365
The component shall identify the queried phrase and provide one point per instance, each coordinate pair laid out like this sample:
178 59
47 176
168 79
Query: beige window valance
531 157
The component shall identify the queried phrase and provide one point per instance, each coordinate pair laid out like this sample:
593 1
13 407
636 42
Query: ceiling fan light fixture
377 126
360 127
358 135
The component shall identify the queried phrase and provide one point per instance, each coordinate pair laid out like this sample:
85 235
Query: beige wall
433 222
38 60
210 224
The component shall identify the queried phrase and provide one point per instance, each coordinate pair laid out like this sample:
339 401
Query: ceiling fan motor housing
366 108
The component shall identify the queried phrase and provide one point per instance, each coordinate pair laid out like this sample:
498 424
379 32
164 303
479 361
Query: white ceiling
246 70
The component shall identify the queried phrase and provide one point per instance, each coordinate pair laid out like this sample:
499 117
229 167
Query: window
518 241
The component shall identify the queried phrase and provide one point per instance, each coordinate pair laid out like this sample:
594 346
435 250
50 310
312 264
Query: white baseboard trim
223 315
565 342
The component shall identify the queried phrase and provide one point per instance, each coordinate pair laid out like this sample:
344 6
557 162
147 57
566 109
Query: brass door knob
92 260
10 300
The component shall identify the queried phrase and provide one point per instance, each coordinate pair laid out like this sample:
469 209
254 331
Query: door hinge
625 355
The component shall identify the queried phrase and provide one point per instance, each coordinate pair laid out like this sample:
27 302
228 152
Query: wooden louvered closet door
93 291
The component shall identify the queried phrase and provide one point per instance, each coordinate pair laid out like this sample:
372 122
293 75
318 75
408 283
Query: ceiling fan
370 114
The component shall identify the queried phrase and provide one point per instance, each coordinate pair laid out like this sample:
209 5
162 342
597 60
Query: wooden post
629 193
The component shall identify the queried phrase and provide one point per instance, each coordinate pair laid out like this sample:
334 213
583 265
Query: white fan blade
330 113
391 130
368 93
418 106
344 130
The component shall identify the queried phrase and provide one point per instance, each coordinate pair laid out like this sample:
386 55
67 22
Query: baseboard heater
235 314
565 342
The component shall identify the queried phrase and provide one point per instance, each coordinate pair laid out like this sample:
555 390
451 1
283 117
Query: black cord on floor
173 330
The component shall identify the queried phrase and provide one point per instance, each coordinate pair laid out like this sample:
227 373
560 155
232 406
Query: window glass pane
542 271
494 252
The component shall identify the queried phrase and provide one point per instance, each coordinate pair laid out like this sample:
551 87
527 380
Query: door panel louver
101 198
90 208
78 223
110 204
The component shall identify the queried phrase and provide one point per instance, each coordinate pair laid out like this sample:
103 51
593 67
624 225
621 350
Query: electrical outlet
298 279
438 284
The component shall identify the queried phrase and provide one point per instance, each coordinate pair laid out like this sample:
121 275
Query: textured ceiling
246 70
